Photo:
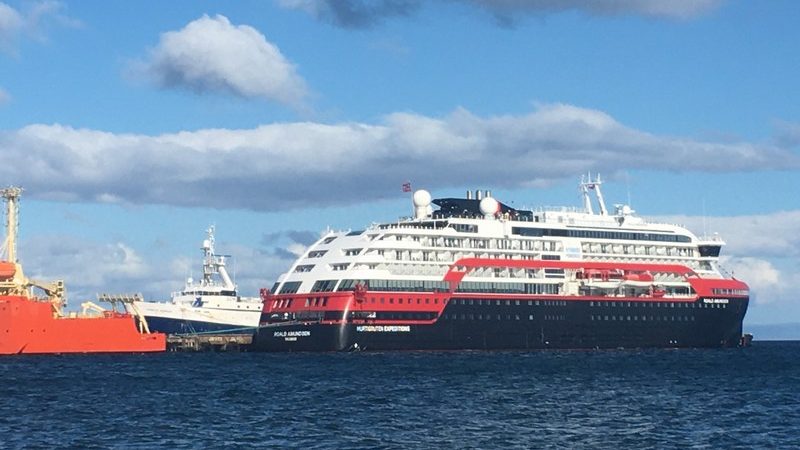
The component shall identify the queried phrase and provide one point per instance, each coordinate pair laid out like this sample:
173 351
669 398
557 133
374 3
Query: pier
209 342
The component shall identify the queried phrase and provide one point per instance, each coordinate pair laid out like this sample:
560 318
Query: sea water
716 398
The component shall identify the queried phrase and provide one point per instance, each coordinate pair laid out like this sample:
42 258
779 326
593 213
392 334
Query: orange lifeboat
7 270
646 277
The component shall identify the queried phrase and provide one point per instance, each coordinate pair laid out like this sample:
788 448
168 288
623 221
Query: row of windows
210 293
428 225
284 303
478 243
324 285
660 304
560 317
596 234
548 317
637 250
465 228
645 318
719 291
394 315
316 302
483 317
290 287
507 288
470 301
408 301
397 285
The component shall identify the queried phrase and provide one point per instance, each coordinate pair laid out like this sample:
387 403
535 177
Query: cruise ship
209 305
475 273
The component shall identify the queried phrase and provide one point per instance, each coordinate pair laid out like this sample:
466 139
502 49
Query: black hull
508 325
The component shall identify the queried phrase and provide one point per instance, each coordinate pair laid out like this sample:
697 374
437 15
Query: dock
209 342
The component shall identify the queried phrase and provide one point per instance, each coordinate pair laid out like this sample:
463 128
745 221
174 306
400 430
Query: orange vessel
38 324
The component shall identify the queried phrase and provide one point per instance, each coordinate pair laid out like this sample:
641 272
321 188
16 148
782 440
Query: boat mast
213 264
11 196
209 259
586 185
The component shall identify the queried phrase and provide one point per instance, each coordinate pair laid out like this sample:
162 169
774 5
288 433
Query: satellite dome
489 206
422 198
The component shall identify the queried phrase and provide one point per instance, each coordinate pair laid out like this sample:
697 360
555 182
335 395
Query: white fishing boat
209 305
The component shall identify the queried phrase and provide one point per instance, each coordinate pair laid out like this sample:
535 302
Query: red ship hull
30 327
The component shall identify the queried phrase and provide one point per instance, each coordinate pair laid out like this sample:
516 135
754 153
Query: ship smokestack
478 195
469 194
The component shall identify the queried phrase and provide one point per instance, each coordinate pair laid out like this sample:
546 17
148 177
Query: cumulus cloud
765 280
774 235
306 164
363 14
763 250
89 267
212 55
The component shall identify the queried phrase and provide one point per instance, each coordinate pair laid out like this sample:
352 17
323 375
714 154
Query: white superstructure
414 254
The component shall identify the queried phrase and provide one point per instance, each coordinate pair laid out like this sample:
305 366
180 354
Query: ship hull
551 324
183 326
30 327
173 318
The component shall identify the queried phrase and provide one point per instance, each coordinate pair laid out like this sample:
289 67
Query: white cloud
89 268
766 282
92 267
306 164
11 24
766 235
212 55
761 250
362 14
31 21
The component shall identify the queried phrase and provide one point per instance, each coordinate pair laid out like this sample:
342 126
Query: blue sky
133 126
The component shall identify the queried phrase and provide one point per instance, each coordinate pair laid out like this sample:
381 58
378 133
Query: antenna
628 187
587 202
705 232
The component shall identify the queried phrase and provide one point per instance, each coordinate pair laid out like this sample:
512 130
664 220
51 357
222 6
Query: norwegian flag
407 186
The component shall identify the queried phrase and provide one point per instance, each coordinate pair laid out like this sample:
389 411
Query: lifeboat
7 270
638 278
